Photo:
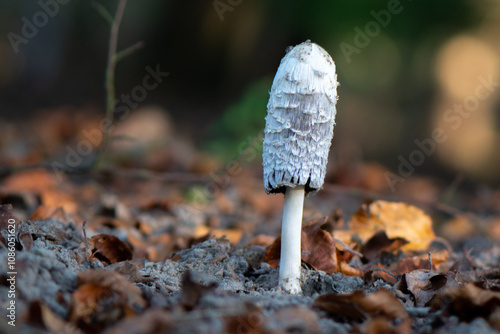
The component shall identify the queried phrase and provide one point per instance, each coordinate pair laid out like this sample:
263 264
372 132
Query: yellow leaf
397 220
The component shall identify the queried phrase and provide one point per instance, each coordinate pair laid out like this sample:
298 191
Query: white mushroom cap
300 119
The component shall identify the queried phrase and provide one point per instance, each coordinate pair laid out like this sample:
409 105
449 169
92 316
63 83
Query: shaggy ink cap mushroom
298 134
300 120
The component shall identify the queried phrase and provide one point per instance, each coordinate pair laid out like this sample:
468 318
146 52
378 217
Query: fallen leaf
272 256
398 220
40 314
102 298
234 236
410 264
108 249
465 269
380 306
349 270
318 248
469 302
419 287
379 243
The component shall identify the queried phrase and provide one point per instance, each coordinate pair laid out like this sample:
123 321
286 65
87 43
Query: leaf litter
198 253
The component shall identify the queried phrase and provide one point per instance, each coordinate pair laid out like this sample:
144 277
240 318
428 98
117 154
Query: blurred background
406 70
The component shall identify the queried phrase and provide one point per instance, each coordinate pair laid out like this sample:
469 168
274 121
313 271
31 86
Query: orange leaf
398 220
234 236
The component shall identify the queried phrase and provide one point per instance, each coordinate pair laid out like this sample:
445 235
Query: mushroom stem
291 229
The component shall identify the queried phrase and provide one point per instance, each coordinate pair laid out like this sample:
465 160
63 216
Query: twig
113 58
85 258
346 248
103 11
110 78
128 51
387 272
430 261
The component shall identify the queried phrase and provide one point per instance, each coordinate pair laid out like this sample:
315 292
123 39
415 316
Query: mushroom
298 133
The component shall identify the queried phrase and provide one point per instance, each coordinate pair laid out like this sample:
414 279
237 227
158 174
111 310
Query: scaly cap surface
300 120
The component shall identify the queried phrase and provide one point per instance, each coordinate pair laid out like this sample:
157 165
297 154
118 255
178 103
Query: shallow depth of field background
397 87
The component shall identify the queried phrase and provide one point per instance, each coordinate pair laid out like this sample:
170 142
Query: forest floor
194 247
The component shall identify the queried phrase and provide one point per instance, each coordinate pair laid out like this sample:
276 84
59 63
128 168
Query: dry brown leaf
419 287
410 264
272 256
379 305
318 248
379 243
398 220
108 249
102 298
469 302
344 305
39 313
348 270
380 273
465 269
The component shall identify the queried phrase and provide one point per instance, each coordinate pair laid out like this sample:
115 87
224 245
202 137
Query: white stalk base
291 229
